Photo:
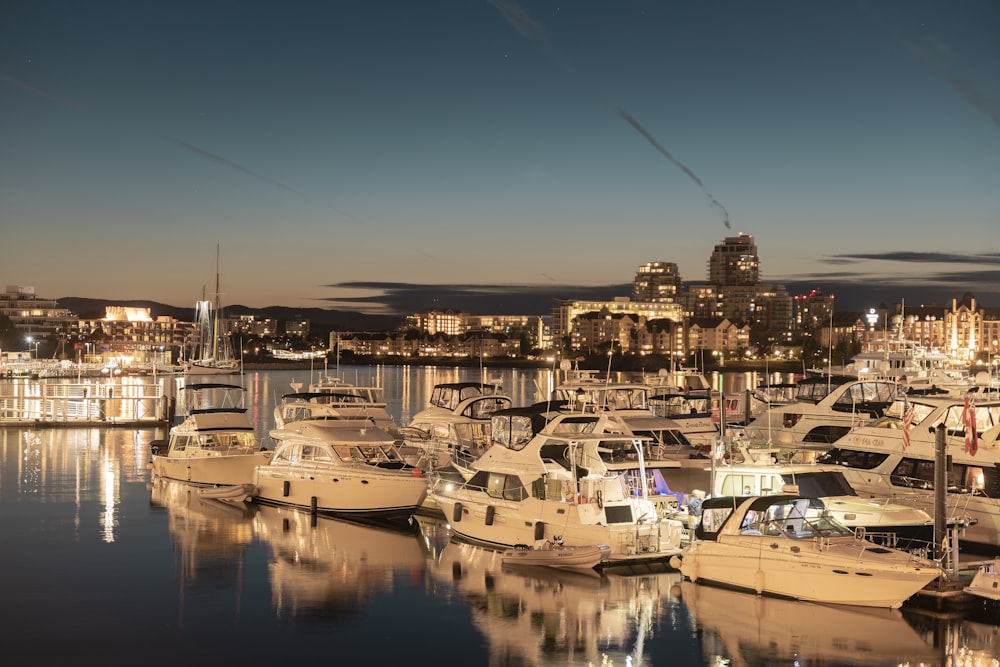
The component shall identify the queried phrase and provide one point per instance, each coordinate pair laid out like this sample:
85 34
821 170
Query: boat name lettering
867 441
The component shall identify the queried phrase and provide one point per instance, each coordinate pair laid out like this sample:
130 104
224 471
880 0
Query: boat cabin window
476 434
853 459
817 484
315 454
484 408
713 518
508 487
872 397
667 437
511 431
574 425
345 452
735 485
973 479
986 417
179 443
826 434
913 474
287 455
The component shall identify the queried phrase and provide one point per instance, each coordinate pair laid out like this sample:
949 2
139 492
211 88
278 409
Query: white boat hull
359 490
815 571
210 470
500 523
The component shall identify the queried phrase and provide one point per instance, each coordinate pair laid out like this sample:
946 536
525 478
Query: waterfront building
129 334
32 315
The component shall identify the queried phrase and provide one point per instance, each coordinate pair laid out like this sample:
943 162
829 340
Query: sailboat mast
215 317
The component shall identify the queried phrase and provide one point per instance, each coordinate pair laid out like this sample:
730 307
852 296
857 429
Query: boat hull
501 523
341 491
839 571
557 556
207 470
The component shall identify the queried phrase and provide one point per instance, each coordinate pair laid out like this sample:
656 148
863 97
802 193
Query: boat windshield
795 518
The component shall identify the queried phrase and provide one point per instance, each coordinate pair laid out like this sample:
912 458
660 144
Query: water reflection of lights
109 493
545 616
30 473
77 466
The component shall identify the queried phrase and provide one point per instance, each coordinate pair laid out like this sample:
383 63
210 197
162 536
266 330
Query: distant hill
321 320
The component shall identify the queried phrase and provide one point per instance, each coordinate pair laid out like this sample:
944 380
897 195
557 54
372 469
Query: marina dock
96 403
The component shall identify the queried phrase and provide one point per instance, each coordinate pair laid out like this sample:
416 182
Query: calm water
102 567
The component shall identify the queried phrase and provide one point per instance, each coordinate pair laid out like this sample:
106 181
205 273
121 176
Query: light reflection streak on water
109 488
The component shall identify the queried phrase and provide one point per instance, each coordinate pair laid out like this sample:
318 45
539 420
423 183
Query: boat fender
417 472
540 530
491 511
286 488
759 582
456 514
600 499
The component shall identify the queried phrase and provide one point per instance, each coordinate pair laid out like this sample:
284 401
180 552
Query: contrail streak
532 29
228 163
641 130
41 92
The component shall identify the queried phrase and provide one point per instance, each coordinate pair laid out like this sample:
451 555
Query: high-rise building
734 262
656 282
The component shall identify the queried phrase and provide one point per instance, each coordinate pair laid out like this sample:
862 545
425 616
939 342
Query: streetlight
33 342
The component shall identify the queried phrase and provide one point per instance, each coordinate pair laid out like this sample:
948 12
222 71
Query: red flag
969 420
907 423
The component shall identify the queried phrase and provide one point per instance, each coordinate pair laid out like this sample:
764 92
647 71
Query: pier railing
81 404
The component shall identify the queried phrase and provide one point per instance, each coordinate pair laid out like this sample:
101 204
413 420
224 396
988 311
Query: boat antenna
829 363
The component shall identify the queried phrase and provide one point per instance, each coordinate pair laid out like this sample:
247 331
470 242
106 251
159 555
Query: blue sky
338 150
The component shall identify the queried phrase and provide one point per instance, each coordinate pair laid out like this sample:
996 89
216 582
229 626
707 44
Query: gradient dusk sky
333 147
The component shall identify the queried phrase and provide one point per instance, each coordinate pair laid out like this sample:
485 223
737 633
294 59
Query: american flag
969 421
907 423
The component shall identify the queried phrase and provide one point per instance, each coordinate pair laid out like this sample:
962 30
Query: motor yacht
789 546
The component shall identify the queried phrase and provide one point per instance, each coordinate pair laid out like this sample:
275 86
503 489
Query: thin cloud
918 257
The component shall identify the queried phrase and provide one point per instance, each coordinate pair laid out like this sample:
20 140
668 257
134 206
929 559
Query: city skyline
368 156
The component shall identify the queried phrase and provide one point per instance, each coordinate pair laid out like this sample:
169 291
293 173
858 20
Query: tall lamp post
33 343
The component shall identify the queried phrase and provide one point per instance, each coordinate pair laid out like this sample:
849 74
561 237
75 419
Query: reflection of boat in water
210 536
746 629
321 566
548 616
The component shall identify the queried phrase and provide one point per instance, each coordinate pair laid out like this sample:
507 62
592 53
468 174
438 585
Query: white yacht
215 444
758 472
339 467
456 423
554 485
876 461
347 403
825 408
789 546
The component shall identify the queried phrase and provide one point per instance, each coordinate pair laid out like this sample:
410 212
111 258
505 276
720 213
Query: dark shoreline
599 364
